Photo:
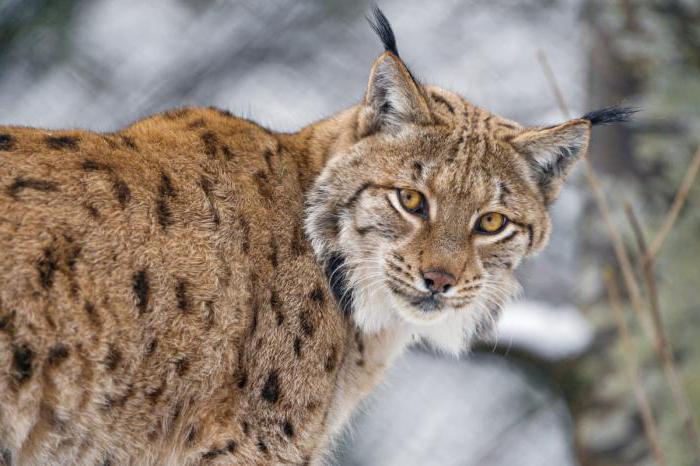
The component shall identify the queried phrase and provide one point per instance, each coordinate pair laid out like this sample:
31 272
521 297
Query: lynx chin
198 289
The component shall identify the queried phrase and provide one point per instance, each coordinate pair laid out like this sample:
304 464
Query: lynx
198 289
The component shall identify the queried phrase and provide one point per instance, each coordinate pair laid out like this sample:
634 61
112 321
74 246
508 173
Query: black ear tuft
381 26
609 115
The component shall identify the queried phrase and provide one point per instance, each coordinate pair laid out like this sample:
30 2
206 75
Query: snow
551 332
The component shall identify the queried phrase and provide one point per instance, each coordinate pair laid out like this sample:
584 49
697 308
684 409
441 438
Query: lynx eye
413 201
491 223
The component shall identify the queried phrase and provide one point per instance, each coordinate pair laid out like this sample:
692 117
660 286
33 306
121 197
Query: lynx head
422 219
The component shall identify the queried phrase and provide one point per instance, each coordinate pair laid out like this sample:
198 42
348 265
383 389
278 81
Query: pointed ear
393 98
552 152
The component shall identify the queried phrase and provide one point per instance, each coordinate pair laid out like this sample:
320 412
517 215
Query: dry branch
662 346
655 331
632 367
620 251
678 201
602 203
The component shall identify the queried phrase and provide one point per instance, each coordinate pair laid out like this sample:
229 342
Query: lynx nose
438 281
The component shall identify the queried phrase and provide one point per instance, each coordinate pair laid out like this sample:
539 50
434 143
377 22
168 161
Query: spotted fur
197 289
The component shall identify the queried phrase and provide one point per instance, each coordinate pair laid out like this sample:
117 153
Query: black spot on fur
165 191
22 358
380 25
317 295
336 274
113 358
46 268
262 446
263 183
297 346
7 321
7 142
271 390
152 346
288 429
267 155
72 257
92 313
440 99
210 141
276 306
608 115
121 191
183 302
166 186
120 188
141 290
305 322
246 427
62 142
198 123
107 461
57 354
503 192
272 257
228 153
331 359
245 234
182 365
242 380
91 165
417 170
129 142
20 184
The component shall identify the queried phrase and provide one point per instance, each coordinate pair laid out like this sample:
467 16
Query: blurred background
555 389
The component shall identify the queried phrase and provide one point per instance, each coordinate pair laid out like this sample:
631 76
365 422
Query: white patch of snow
551 332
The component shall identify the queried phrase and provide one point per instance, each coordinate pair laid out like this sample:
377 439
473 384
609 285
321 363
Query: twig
551 79
602 203
658 334
632 367
620 251
678 201
662 346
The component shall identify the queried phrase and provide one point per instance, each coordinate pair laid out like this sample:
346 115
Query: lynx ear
552 152
393 97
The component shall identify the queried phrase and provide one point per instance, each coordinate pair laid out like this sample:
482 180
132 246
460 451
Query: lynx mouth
424 302
430 303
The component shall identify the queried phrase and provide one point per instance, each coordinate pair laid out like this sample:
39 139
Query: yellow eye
491 223
413 201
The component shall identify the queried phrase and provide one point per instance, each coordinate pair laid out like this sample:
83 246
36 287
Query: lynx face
422 219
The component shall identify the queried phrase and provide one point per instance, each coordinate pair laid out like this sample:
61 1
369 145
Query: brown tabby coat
160 300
